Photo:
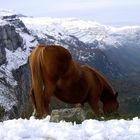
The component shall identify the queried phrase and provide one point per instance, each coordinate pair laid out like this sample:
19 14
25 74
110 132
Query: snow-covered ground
33 129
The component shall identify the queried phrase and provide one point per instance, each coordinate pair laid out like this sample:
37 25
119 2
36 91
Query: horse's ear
116 94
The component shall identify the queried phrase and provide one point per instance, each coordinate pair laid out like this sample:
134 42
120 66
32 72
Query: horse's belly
70 100
70 97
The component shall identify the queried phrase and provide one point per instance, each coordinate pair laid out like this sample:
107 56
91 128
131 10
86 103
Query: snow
17 58
2 22
14 61
34 129
86 31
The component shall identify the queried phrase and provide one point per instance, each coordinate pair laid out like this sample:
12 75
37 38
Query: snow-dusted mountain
86 31
113 51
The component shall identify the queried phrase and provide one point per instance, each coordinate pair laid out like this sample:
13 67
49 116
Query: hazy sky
103 11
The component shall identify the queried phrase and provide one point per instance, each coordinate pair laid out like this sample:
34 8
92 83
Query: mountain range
114 51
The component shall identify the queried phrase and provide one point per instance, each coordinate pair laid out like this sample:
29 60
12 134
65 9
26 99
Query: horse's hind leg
32 97
33 100
47 98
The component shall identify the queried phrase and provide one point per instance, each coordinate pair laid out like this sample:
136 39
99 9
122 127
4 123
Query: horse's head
110 103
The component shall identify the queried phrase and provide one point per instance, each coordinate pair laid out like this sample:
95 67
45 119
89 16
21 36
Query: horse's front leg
94 104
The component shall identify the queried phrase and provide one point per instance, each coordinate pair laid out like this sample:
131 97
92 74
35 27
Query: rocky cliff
111 54
10 40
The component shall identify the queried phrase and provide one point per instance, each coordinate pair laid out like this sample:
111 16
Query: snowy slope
33 129
86 31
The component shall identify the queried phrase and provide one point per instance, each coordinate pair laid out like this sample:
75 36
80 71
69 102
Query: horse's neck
108 92
106 86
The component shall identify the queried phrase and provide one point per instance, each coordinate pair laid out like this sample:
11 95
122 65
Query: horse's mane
108 92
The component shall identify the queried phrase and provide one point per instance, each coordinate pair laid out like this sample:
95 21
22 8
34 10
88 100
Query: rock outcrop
9 38
69 114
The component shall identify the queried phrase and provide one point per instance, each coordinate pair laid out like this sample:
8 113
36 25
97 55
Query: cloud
100 10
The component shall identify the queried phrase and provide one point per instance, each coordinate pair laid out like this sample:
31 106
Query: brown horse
55 73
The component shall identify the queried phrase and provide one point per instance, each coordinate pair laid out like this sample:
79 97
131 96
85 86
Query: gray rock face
16 22
9 39
23 76
2 54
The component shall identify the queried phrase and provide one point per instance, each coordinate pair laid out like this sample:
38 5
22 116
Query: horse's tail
37 81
